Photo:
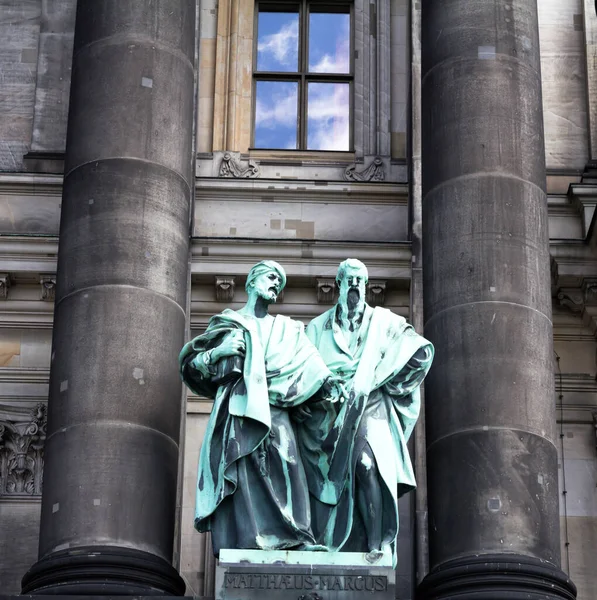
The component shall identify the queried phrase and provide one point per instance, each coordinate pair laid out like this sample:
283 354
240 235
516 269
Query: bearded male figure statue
355 454
259 369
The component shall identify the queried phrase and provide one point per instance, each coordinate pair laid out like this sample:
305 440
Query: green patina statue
259 369
355 453
306 450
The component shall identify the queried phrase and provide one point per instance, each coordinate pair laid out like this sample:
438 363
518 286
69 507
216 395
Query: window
303 75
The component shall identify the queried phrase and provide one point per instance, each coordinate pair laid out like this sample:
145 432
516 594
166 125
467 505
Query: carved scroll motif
48 288
374 172
572 299
233 168
4 285
376 292
22 440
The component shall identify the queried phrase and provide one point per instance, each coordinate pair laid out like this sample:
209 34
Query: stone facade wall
299 210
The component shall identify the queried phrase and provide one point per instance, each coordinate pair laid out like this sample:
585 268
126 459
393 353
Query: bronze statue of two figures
305 448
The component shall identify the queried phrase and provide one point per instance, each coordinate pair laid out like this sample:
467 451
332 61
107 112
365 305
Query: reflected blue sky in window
276 115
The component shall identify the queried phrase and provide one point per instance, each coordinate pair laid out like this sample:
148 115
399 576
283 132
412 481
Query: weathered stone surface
54 63
566 75
20 536
19 33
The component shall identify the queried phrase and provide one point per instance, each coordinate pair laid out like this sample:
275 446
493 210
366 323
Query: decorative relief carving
589 290
326 291
374 172
577 299
376 292
571 298
4 285
229 167
22 438
225 287
48 288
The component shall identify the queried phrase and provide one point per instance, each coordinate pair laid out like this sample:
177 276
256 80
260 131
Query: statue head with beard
352 281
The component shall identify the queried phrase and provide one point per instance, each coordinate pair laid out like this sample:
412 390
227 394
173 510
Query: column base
102 570
496 577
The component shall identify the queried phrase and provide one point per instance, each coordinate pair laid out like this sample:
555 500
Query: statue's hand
232 345
333 389
301 413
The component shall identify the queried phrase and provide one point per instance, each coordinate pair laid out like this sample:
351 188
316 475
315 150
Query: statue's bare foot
313 548
373 556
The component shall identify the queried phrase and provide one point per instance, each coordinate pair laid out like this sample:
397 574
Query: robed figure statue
355 452
259 370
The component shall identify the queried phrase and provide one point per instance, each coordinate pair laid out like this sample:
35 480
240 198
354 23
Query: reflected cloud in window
329 43
328 116
277 43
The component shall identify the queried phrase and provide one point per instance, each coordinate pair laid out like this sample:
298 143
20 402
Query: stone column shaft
490 411
115 410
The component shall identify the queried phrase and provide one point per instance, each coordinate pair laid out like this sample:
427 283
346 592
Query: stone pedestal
279 575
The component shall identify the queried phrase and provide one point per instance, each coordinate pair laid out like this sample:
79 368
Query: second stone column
490 410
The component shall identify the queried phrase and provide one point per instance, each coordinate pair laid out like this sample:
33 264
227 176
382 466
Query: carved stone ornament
589 289
571 298
376 292
229 167
48 288
22 437
374 172
4 285
578 299
326 291
225 289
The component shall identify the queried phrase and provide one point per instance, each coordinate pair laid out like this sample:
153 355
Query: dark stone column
490 409
109 494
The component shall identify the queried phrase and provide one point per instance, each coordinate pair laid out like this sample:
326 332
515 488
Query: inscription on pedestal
278 579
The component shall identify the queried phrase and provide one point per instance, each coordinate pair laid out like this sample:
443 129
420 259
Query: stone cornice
28 256
572 262
24 375
268 190
301 260
26 314
577 382
30 184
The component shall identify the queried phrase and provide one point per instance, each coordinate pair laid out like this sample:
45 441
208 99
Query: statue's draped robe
252 491
383 373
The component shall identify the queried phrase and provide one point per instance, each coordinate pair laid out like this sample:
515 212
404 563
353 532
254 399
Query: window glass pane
327 115
276 114
277 41
329 42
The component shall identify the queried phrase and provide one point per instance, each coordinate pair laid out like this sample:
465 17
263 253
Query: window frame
303 77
